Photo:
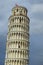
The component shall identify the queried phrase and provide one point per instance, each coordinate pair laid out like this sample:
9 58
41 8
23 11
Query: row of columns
18 45
17 54
19 19
19 27
17 62
18 35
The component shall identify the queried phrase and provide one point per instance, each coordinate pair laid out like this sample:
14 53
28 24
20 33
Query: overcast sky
35 13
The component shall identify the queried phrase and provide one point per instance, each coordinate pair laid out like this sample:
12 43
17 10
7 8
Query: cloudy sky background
35 13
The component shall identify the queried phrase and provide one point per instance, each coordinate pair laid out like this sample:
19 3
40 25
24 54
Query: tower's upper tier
19 10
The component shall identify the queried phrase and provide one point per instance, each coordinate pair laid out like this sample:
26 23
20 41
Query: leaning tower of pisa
17 46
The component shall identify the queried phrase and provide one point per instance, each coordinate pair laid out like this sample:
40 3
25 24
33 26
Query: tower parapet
19 10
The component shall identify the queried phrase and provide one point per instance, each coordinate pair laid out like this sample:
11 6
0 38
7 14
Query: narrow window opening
24 11
19 46
20 19
17 10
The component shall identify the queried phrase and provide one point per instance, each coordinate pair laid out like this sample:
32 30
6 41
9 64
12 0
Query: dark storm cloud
36 49
2 48
36 41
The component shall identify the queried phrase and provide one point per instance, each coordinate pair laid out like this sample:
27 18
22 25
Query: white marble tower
17 46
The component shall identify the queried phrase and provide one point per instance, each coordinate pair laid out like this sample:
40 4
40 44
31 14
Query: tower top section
19 10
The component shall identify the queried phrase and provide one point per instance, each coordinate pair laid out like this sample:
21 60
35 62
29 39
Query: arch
18 46
16 41
18 51
20 19
19 34
23 53
8 60
15 25
17 9
19 26
12 60
13 51
15 62
14 33
12 20
19 42
15 18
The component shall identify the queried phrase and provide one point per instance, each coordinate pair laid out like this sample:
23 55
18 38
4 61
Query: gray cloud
5 12
36 19
36 27
36 50
35 24
35 1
